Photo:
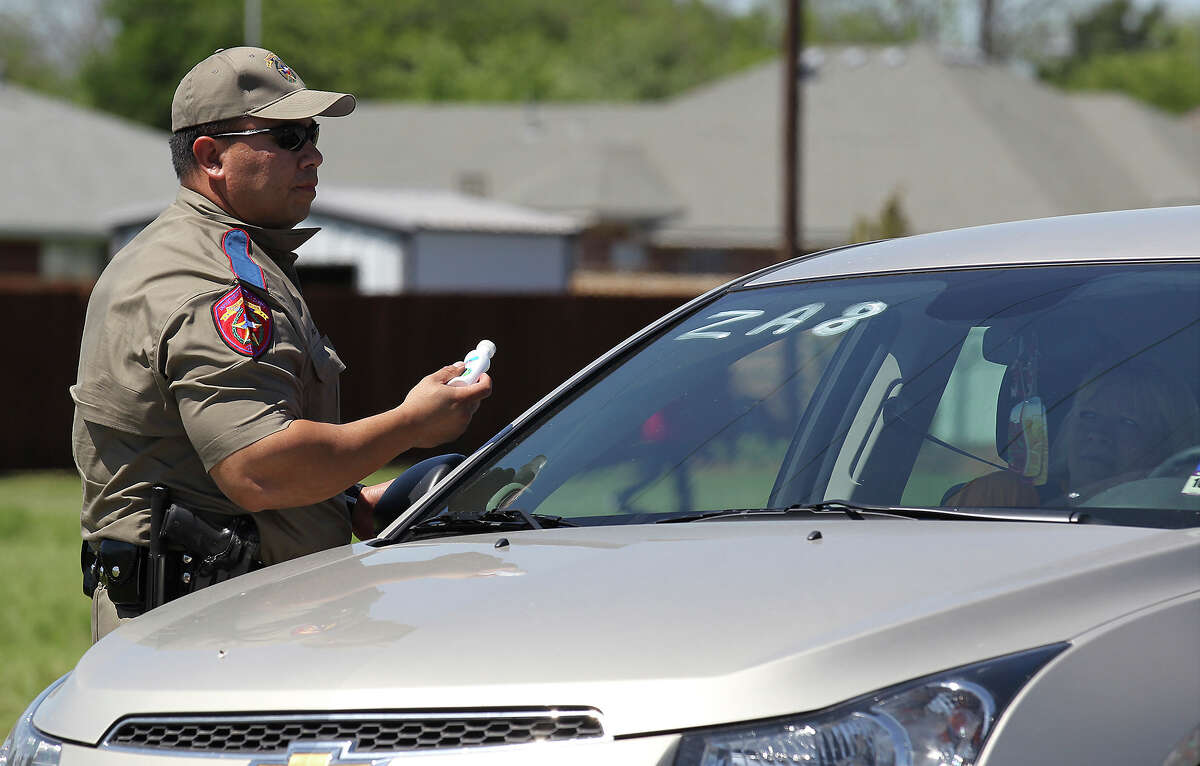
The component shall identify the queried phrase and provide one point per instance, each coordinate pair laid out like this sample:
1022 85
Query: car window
966 417
1014 387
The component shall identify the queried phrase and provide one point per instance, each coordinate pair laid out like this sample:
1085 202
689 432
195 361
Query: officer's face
265 184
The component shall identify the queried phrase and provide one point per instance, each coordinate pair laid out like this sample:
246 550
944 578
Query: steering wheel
1182 462
504 496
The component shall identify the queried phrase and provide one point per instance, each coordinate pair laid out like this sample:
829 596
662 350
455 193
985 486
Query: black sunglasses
291 136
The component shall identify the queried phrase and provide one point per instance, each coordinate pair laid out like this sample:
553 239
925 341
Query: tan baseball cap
243 82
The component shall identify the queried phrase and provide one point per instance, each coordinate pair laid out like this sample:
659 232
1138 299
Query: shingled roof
962 143
69 166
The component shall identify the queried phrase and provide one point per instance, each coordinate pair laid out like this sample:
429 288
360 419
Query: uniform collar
279 244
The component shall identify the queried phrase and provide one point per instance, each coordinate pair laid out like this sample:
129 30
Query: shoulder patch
243 321
236 244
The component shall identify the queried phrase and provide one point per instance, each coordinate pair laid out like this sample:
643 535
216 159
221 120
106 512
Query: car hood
657 627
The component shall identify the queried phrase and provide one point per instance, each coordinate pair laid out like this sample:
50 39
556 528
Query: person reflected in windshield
656 457
1123 423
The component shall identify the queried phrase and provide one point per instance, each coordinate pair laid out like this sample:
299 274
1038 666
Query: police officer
201 368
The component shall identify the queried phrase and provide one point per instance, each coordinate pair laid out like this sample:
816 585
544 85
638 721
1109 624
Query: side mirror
411 486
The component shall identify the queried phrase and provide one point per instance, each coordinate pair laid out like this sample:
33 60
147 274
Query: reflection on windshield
1036 387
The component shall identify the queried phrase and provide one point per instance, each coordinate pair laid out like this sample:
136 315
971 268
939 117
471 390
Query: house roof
1159 153
70 165
402 210
574 158
603 182
961 143
417 209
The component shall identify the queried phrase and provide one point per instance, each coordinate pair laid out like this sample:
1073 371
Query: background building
68 168
501 197
383 241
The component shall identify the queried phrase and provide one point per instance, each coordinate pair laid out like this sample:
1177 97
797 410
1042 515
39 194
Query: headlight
25 745
941 720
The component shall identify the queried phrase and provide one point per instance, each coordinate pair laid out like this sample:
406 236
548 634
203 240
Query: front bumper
641 751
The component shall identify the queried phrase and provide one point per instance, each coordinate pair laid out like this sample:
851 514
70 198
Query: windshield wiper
816 509
532 520
856 511
489 521
999 513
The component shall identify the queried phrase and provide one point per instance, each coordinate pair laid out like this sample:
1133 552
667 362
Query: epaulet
236 245
242 317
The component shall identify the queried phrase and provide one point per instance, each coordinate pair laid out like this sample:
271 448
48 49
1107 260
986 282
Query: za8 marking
850 317
786 322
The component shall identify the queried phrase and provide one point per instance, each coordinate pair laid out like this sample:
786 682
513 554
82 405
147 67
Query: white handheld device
477 363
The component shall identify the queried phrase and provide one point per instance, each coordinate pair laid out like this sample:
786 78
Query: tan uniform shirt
183 363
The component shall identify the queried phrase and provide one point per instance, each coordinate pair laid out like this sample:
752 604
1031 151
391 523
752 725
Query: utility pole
252 26
987 29
793 79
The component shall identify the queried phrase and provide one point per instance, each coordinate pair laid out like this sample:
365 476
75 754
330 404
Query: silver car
933 500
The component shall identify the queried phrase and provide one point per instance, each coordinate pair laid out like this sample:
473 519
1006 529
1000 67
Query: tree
488 50
997 29
42 46
1166 77
1120 47
156 43
1117 26
891 222
22 61
834 23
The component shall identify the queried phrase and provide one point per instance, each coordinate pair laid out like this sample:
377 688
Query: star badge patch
284 70
243 321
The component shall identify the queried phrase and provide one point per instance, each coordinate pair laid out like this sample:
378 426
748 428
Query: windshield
1047 387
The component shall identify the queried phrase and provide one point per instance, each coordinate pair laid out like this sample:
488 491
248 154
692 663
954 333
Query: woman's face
1108 434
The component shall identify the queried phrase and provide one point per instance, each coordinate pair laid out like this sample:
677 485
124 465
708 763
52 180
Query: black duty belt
188 551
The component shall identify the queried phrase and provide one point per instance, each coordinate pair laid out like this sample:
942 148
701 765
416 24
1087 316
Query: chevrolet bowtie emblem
320 754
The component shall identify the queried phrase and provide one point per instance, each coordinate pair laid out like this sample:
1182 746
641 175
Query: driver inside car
1123 422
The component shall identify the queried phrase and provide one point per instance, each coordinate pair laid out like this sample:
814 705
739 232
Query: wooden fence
387 343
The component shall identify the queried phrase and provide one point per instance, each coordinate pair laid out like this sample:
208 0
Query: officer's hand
363 518
440 413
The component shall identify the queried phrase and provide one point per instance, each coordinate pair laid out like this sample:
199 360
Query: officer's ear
207 151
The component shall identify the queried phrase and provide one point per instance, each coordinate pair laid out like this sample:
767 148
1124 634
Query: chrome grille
368 733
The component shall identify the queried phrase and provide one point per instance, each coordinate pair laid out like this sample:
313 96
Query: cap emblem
284 70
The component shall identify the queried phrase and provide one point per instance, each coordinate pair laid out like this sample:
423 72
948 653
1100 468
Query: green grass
46 623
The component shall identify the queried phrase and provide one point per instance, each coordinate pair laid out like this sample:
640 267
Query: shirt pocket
326 362
324 395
